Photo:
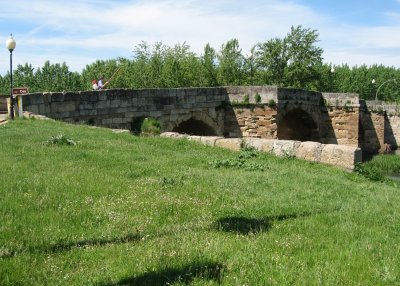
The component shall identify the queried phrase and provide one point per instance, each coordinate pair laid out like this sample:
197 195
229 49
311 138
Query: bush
371 172
271 103
60 140
150 127
257 98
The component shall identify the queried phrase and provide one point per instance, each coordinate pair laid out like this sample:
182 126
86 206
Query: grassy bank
114 209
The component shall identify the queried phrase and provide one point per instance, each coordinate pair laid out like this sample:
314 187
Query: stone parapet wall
344 122
265 93
390 120
378 106
258 121
346 100
118 107
392 131
265 112
345 157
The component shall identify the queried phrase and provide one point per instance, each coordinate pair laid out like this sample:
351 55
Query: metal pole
11 90
377 91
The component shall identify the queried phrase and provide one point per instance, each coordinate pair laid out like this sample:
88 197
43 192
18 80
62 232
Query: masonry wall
256 121
119 108
381 126
392 131
230 111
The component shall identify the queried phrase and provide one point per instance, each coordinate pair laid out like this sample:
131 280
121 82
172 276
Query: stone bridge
255 111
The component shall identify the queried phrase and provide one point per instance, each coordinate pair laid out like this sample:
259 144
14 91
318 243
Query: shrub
371 172
257 98
60 140
271 103
246 99
150 127
242 161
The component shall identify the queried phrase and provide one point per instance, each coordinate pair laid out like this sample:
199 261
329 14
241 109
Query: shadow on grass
69 245
184 275
66 246
246 226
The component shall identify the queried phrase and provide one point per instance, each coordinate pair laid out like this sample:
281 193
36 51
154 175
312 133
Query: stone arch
298 124
197 124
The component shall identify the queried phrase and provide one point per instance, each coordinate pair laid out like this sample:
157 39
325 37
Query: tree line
293 61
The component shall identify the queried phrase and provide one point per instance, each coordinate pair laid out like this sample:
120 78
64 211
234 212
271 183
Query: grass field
116 209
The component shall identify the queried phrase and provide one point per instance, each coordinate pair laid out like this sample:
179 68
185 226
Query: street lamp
377 91
10 44
331 76
250 57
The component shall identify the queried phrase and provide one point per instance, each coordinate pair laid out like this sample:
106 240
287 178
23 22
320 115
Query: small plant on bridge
271 103
347 106
257 98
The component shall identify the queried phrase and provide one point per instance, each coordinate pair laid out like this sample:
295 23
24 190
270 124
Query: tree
209 67
272 61
230 64
293 61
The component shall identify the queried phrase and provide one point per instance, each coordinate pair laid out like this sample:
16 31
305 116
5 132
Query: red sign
19 90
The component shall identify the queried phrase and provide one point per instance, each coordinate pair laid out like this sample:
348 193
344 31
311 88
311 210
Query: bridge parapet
265 112
341 99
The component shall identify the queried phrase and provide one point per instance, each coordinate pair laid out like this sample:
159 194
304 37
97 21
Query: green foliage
379 167
347 106
230 60
246 99
257 98
241 161
292 61
371 172
150 127
60 140
271 103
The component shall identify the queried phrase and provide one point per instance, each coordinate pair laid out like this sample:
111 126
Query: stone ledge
331 154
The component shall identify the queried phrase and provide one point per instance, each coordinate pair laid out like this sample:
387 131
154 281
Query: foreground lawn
115 209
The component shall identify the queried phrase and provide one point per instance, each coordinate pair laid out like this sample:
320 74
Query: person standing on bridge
94 85
100 82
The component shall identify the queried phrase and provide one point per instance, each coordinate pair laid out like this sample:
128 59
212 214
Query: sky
79 32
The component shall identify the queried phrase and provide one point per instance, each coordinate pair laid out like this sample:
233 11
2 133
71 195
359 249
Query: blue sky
80 31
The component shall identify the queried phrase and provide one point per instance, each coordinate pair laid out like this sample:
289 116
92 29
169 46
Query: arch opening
195 127
298 125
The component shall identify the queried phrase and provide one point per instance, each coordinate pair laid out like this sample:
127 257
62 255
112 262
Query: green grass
115 209
380 167
386 163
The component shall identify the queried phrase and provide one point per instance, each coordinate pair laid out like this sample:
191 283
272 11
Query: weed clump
150 127
60 140
242 161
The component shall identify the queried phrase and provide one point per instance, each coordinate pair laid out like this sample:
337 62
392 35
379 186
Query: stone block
264 145
168 134
309 151
283 148
67 106
194 138
342 156
57 97
230 143
34 109
210 140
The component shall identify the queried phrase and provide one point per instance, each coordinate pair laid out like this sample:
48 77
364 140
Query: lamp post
10 44
250 57
332 79
377 91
